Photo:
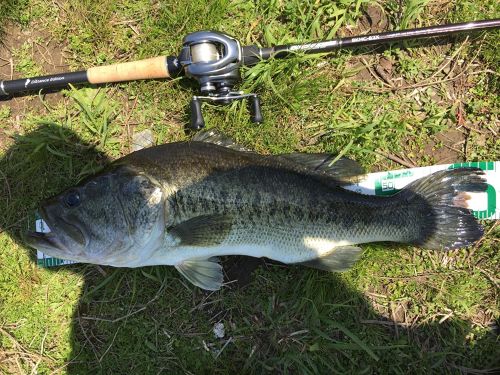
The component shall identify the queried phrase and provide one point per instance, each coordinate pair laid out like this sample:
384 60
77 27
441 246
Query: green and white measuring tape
485 205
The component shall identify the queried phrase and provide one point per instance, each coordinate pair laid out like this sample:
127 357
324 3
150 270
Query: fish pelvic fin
440 201
204 230
203 273
340 259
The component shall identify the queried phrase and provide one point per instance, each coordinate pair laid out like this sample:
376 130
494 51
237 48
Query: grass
400 310
26 65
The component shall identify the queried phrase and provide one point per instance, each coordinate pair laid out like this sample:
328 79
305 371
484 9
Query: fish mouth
45 241
53 240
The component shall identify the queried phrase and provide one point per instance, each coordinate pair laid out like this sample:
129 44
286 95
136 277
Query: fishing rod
214 59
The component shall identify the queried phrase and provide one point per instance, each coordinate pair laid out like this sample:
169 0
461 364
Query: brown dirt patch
48 55
447 147
374 20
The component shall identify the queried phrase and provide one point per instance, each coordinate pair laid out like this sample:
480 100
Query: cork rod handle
155 67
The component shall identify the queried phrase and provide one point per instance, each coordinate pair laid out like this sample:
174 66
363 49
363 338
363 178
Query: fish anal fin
204 230
339 259
203 273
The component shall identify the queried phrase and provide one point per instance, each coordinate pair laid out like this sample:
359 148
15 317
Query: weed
4 113
24 61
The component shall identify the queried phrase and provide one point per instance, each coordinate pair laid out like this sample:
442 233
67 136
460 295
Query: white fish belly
280 244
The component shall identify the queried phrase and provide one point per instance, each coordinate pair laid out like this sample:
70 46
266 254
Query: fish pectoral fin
338 260
344 170
204 273
204 230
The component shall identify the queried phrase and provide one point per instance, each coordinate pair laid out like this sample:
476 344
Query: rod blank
255 54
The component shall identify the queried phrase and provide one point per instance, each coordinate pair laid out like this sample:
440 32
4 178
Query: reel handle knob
254 109
197 122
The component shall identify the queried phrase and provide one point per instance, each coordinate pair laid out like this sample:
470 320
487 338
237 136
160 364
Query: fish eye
72 199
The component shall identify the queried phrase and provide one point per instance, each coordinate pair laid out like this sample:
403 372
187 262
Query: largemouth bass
184 204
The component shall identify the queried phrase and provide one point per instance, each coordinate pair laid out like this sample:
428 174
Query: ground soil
48 55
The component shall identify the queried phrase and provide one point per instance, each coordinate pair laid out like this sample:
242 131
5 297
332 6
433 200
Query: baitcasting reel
214 60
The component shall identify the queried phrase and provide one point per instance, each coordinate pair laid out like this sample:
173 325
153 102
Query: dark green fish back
261 191
258 191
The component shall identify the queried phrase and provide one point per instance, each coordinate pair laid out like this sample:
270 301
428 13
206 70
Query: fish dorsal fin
204 273
338 260
204 230
344 170
217 138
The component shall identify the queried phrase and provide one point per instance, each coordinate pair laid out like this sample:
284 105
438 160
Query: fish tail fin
440 202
